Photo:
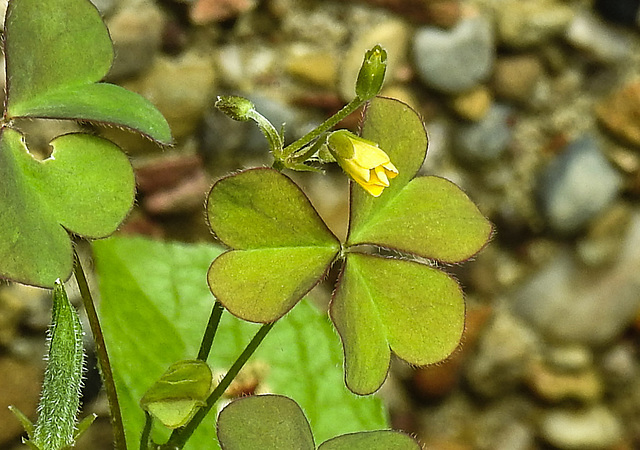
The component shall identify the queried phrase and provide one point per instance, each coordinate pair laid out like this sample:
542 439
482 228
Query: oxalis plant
391 294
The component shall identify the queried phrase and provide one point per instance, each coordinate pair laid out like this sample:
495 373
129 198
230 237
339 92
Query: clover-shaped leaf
274 422
56 51
40 199
401 304
280 247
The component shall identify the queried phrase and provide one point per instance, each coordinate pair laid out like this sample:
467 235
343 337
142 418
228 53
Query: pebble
392 35
474 104
531 23
568 196
457 59
515 77
598 39
592 428
603 241
570 303
443 13
505 350
136 30
556 386
317 67
204 12
486 140
619 113
181 88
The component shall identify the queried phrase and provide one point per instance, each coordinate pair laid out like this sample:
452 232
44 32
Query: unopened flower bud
371 74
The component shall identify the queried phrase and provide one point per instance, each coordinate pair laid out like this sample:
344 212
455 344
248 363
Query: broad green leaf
86 186
430 217
399 131
282 248
155 306
371 440
180 391
55 51
381 304
264 422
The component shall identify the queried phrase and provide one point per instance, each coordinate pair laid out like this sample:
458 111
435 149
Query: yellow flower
363 160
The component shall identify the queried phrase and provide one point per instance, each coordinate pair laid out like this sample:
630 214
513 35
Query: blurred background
531 106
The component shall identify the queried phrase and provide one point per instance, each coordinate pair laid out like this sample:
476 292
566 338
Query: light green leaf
381 304
264 422
179 393
56 50
400 133
426 216
430 217
155 306
371 440
282 248
86 186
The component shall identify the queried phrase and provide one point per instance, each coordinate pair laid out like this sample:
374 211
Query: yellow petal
369 156
392 172
373 189
356 171
379 173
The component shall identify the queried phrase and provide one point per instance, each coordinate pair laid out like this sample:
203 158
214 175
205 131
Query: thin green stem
269 131
180 436
146 431
210 332
322 128
101 352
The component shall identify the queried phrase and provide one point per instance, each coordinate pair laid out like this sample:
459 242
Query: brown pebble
204 12
515 77
473 105
620 113
443 13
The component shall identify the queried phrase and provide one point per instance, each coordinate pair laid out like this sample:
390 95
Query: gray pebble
576 186
456 59
486 140
599 39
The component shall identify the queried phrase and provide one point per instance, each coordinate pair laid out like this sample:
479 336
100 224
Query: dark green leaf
282 247
85 186
381 304
371 440
264 422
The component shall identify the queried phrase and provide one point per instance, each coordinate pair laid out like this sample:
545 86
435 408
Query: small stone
457 59
619 113
444 13
136 31
486 140
392 35
505 350
601 41
515 77
570 358
555 386
619 364
602 242
592 428
181 88
203 12
315 67
568 196
526 24
473 105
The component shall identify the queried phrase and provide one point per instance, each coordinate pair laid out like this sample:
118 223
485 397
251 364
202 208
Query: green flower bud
371 73
238 108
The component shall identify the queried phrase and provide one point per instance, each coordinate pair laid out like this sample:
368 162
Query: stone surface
619 113
457 59
203 12
582 429
529 23
515 77
571 303
474 104
314 66
556 386
598 39
567 194
486 140
136 31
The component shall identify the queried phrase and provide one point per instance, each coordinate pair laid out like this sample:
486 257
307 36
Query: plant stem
210 332
180 436
146 431
269 131
101 352
323 127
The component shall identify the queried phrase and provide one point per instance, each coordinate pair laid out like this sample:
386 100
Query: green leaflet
55 53
155 306
274 422
281 247
40 199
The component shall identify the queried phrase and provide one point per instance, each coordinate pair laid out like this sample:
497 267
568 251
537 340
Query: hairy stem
180 436
101 352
